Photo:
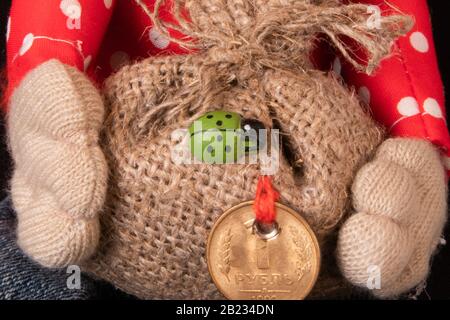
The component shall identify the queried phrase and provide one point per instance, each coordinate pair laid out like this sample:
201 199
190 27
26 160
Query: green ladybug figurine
214 137
219 137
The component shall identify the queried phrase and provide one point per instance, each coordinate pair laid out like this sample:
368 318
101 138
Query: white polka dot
118 60
26 44
108 3
337 66
432 107
71 8
408 107
8 28
87 62
419 42
364 94
159 40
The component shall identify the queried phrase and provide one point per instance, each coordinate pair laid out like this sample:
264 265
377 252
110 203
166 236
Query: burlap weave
253 60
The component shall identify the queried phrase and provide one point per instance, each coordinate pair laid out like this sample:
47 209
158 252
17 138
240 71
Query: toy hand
59 182
400 203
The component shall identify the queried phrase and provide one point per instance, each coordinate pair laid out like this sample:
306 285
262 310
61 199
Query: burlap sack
253 59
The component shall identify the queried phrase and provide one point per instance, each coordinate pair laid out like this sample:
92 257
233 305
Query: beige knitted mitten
59 182
400 200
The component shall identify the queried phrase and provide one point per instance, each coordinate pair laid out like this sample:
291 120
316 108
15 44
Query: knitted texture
400 200
158 213
59 181
23 279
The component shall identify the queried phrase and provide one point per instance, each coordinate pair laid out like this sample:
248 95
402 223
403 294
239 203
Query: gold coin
281 265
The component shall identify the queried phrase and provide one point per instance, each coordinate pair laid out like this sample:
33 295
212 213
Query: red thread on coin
266 196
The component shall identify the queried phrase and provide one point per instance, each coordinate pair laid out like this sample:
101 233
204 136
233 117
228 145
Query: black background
439 280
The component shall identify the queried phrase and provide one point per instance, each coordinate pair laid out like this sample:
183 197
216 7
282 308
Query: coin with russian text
278 264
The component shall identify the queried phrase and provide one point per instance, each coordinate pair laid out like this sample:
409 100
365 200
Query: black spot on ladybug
219 123
228 116
209 116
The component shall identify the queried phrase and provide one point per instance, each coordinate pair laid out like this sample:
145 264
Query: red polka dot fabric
406 93
99 36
